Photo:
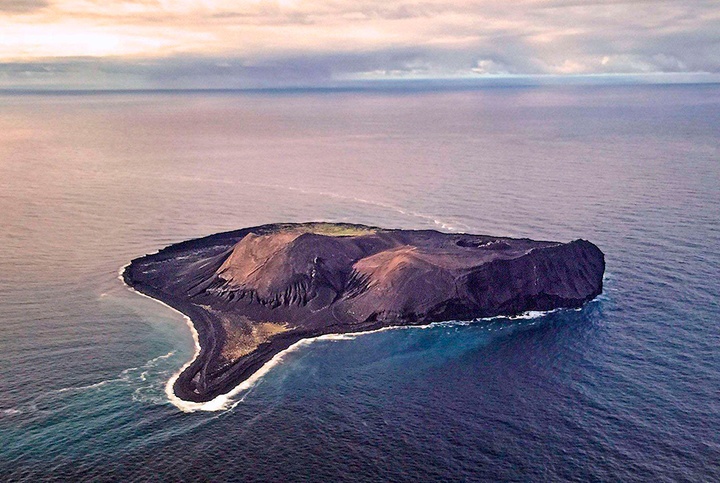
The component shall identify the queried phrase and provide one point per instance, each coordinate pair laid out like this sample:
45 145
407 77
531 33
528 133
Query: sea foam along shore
226 401
223 401
168 387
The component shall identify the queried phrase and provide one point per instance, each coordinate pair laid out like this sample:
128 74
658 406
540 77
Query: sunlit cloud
80 39
315 41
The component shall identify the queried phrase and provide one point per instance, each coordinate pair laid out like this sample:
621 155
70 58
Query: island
254 292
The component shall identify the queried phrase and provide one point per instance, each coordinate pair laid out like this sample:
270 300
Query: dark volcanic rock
254 292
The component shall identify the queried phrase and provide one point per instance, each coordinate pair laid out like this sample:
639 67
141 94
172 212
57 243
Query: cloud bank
269 43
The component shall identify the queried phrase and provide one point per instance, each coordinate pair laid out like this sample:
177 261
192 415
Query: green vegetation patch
332 229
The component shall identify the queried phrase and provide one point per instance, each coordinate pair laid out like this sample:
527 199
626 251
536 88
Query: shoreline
185 406
225 402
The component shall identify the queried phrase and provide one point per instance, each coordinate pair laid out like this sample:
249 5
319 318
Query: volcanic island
254 292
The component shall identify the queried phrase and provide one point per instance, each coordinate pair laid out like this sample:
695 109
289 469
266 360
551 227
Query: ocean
626 389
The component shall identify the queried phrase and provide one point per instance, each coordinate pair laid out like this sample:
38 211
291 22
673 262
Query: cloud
21 6
264 42
491 67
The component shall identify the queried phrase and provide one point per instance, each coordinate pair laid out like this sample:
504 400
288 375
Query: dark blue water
627 389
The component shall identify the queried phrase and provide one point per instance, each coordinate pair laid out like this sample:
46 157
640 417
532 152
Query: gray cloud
22 6
347 70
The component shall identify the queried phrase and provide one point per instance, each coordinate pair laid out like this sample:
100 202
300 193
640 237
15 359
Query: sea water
625 389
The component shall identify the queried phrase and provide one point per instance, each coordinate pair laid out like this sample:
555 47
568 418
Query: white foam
338 337
532 314
121 271
90 386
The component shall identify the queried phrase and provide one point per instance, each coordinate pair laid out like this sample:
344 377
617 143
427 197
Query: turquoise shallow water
625 389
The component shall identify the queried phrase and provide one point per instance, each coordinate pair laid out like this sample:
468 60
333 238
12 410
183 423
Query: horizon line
410 84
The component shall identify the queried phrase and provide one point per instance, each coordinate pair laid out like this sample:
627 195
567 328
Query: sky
166 44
